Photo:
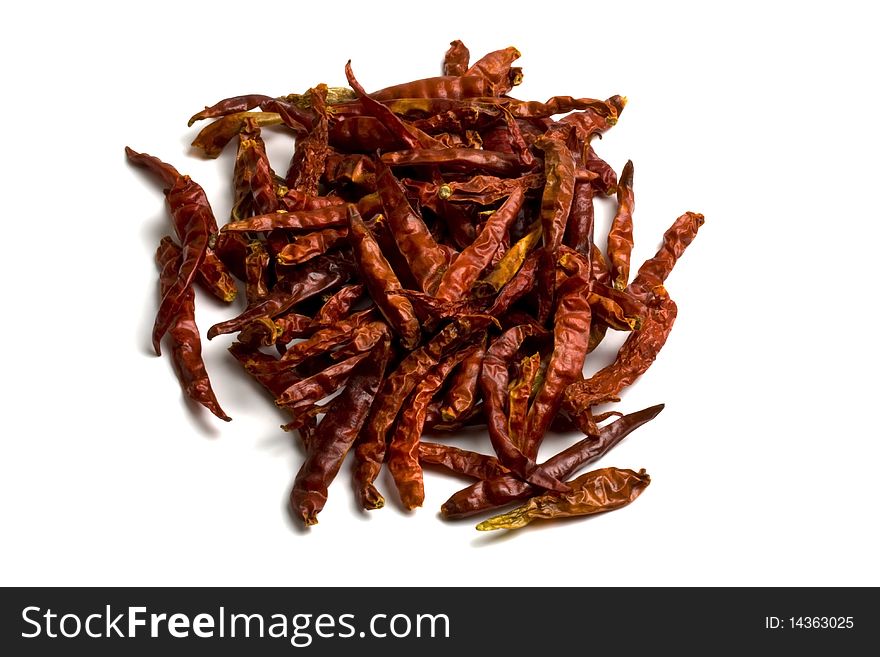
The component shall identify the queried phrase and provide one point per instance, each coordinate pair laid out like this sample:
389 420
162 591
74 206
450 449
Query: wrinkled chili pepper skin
457 59
370 450
310 155
594 492
381 281
461 275
427 261
214 137
654 272
403 449
493 383
463 389
498 491
620 236
229 106
336 434
186 344
192 215
461 461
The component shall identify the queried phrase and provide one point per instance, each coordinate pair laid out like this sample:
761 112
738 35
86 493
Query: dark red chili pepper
461 461
456 159
186 345
380 280
498 491
463 389
457 58
331 216
336 434
620 236
310 156
214 137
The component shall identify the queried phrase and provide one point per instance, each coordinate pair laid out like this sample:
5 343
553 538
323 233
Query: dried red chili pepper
380 280
186 345
336 434
348 269
403 449
620 236
594 492
457 58
499 491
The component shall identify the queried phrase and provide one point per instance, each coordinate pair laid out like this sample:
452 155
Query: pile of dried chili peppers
429 253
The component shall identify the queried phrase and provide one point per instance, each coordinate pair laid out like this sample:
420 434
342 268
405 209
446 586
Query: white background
762 116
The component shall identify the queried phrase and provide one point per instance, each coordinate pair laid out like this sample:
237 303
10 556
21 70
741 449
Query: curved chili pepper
403 449
461 275
227 106
310 155
331 216
512 261
594 492
256 265
253 180
336 434
519 396
339 304
499 491
380 280
463 389
461 461
457 58
311 390
579 230
190 212
620 235
454 87
305 247
408 135
495 68
186 345
653 273
214 136
427 261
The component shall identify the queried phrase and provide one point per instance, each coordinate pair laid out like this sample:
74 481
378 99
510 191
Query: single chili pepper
606 180
495 68
190 210
336 434
466 268
310 155
380 280
461 461
579 230
403 449
311 245
408 135
339 304
256 269
620 236
571 327
463 389
186 345
519 396
227 106
427 261
331 216
310 279
594 492
499 491
311 390
370 450
455 158
454 87
601 274
360 134
214 136
654 272
300 118
253 183
521 284
634 358
457 58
